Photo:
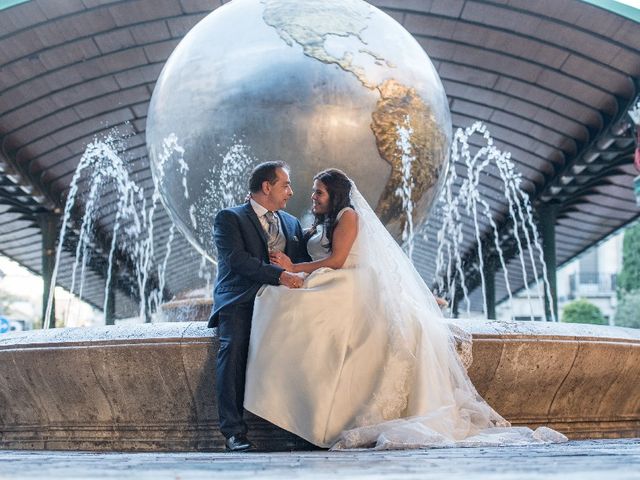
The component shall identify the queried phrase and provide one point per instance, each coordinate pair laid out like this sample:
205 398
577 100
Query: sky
20 282
633 3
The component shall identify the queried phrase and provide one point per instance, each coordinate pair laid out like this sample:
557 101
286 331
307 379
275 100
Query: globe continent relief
315 83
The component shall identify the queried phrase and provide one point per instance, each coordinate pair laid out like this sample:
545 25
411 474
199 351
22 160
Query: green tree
629 278
583 311
628 310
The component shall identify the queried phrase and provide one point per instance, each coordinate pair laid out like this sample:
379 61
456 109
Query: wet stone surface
593 459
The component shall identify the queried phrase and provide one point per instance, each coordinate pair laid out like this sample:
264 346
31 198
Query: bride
360 356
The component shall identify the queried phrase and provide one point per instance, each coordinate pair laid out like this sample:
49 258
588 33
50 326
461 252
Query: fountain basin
151 387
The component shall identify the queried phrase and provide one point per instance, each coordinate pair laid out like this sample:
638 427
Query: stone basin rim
147 387
192 332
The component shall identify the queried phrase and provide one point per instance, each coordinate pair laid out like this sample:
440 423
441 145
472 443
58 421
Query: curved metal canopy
552 80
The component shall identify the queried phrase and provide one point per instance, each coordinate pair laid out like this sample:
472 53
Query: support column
147 314
490 287
455 308
547 214
110 310
49 228
147 311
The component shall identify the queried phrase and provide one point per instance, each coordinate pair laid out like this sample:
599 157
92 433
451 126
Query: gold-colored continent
402 107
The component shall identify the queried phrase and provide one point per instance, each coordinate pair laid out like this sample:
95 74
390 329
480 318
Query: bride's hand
442 303
279 258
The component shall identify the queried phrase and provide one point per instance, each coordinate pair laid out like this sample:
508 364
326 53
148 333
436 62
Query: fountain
316 83
133 230
452 208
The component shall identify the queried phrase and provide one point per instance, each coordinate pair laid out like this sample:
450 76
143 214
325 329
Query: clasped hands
287 278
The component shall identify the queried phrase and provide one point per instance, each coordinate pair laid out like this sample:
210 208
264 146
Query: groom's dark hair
265 172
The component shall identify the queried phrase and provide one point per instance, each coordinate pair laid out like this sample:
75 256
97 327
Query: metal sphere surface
316 83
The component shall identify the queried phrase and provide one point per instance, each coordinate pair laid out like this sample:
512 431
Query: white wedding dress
361 357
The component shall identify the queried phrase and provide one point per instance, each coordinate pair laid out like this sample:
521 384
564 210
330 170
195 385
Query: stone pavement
580 460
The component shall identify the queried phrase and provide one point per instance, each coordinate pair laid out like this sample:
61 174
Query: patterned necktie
272 232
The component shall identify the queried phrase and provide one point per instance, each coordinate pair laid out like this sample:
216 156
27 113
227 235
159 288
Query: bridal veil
424 397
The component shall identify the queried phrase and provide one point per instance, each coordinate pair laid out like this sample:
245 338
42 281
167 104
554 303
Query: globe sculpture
315 83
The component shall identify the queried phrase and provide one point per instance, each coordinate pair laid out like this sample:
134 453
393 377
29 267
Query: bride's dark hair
339 189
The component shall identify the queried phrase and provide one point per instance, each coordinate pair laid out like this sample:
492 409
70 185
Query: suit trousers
234 329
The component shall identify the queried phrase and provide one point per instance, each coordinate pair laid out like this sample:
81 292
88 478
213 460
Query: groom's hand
290 280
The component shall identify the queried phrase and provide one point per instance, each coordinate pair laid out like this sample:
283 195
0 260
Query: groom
244 235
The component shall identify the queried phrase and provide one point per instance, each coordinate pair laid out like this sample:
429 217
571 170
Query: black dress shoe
238 443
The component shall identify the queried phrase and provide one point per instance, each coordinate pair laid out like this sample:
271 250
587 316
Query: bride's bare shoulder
348 216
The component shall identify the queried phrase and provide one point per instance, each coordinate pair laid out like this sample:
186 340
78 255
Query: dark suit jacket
243 256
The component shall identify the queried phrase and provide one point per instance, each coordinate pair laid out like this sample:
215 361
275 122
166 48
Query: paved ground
585 460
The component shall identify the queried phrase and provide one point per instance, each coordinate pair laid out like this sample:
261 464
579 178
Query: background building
591 276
